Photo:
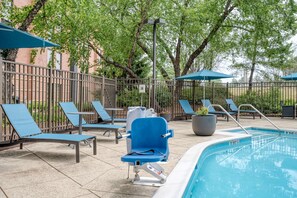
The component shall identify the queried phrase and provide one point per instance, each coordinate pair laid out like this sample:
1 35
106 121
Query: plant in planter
166 115
203 123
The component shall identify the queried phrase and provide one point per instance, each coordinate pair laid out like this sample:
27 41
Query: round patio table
112 112
80 114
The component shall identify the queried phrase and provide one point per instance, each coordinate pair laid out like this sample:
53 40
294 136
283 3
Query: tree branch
145 49
31 15
238 27
12 54
137 33
228 9
167 49
116 64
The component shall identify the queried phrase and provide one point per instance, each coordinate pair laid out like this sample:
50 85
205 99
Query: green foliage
254 30
289 102
202 111
164 97
261 37
39 106
127 98
267 102
39 111
87 106
216 91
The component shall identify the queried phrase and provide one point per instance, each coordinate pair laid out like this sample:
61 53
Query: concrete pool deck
49 169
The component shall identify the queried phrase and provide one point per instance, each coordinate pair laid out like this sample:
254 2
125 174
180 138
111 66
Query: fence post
262 96
193 94
116 91
73 82
81 91
1 96
49 110
212 92
173 98
149 92
102 91
227 88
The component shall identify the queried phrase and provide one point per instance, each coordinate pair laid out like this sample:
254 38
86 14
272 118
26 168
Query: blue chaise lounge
28 131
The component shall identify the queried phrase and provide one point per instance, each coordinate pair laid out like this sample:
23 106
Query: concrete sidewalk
49 169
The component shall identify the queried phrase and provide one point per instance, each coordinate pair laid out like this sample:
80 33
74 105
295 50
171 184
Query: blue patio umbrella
204 75
14 38
292 76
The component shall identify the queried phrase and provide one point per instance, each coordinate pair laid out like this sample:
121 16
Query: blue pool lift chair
69 107
28 131
147 145
103 114
233 108
211 110
187 107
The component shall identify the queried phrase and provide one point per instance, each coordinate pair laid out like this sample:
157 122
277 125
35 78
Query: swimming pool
264 165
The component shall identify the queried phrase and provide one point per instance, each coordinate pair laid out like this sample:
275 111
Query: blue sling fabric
234 108
24 125
21 119
186 107
68 107
232 105
100 110
212 110
103 114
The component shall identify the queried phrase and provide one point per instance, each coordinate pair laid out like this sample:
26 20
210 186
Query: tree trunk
254 57
227 10
116 64
12 54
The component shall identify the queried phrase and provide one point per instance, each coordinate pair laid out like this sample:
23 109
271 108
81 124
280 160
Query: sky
223 66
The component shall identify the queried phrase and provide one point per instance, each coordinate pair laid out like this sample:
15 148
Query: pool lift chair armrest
128 135
169 134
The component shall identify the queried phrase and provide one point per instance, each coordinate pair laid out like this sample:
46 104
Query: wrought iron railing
41 88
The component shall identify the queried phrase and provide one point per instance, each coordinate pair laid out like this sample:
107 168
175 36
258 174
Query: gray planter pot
166 116
204 125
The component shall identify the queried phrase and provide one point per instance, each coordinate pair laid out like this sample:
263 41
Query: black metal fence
42 88
265 96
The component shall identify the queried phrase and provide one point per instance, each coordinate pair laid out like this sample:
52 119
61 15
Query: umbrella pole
204 88
193 95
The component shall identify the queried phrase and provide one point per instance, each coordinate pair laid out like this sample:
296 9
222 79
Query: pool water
262 166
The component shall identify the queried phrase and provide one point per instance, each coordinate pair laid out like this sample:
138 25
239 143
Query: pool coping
178 179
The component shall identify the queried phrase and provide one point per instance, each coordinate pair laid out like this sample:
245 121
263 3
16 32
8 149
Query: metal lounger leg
107 131
116 136
77 152
95 146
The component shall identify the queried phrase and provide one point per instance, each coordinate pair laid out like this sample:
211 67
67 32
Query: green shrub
132 97
268 103
218 93
164 97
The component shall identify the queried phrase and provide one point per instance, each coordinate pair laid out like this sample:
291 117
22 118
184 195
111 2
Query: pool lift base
152 168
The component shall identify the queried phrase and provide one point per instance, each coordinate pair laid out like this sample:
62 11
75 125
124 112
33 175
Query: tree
195 31
263 40
25 23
